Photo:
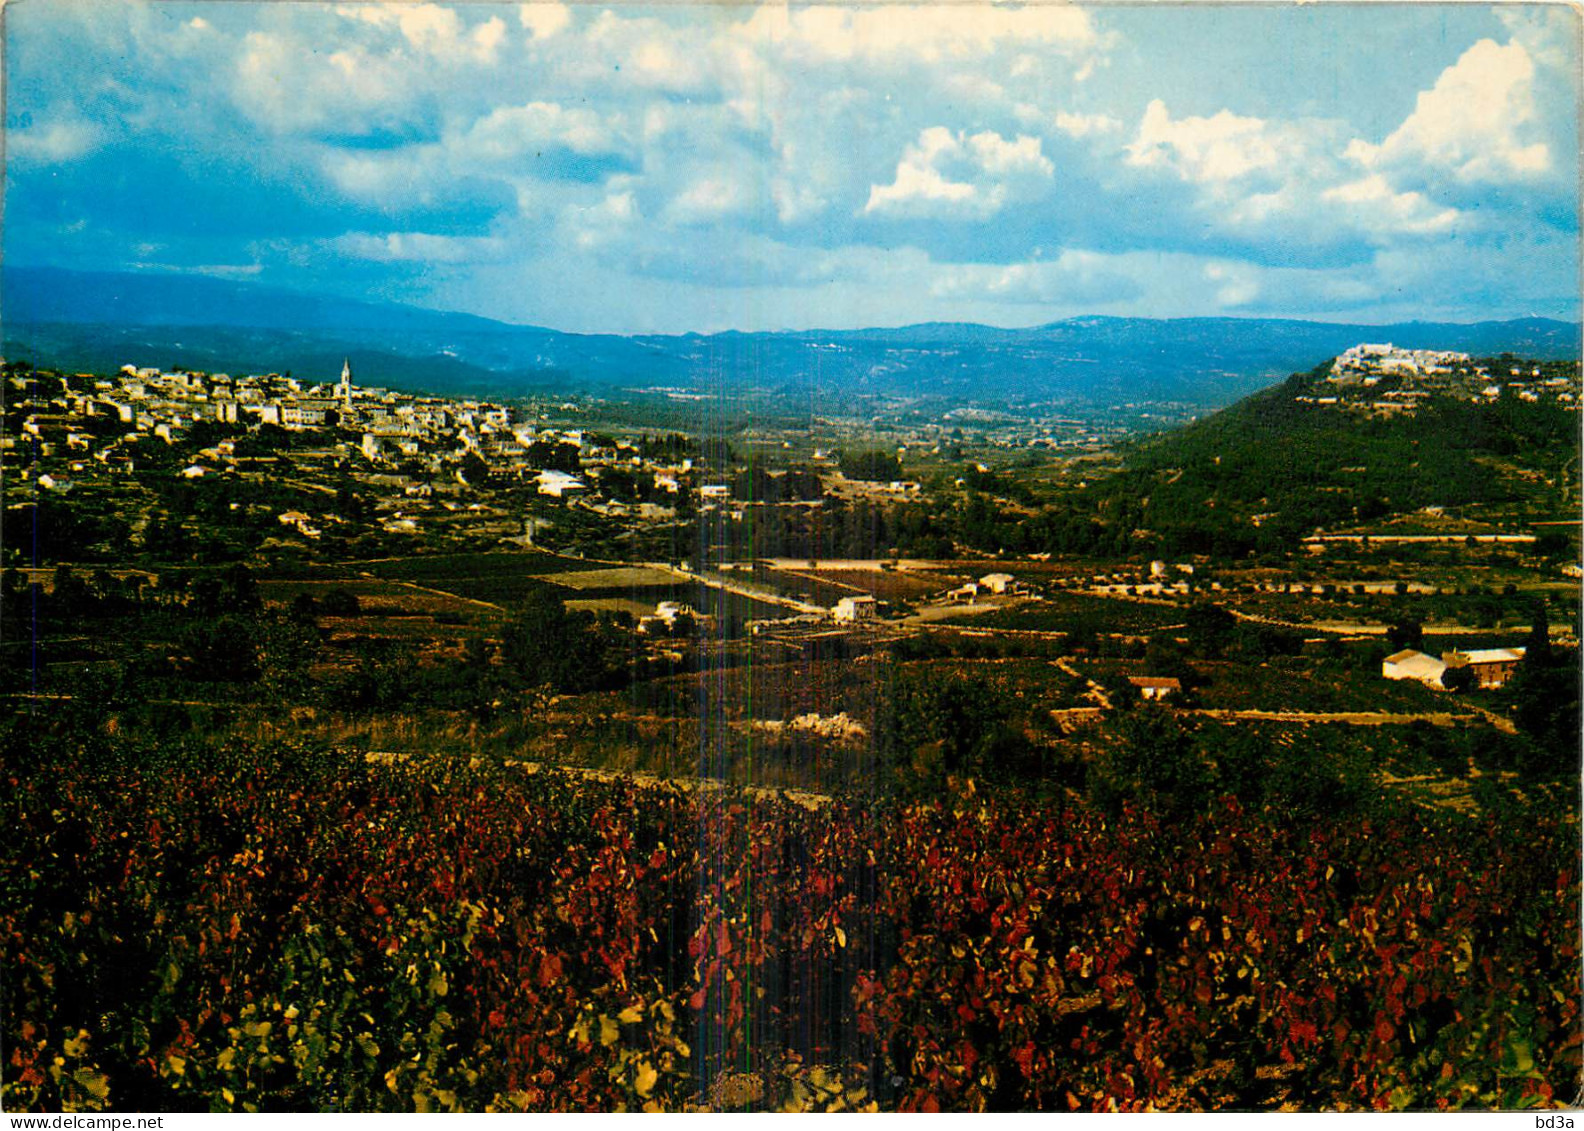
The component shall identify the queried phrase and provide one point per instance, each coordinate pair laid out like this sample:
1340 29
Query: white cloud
643 53
434 30
285 88
1237 284
1074 277
919 183
1086 125
53 142
922 188
1002 158
658 65
925 33
716 193
544 20
264 78
1375 204
1472 122
795 200
609 221
419 247
1219 148
969 87
509 132
1549 32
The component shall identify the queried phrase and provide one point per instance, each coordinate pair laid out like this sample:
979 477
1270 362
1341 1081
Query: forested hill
1272 469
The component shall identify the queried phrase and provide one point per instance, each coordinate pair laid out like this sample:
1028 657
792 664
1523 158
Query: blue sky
702 167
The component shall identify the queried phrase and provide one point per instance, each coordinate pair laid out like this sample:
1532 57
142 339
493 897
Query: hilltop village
1382 379
428 465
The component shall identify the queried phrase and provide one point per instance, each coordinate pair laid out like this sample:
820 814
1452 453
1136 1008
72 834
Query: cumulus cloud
1284 184
1236 284
921 187
434 29
1222 147
606 222
1474 123
508 133
844 151
543 20
286 89
643 53
1376 204
924 33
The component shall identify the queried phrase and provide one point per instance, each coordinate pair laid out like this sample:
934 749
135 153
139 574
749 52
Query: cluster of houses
1367 362
85 427
996 584
1387 380
74 418
1487 667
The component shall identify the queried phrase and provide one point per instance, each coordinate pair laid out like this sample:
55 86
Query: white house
1411 663
998 582
1156 686
1491 666
850 610
666 613
559 484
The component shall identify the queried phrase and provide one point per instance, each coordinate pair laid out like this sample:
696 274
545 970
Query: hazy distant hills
99 321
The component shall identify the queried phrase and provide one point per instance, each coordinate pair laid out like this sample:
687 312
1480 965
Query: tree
304 609
340 602
1151 760
546 646
222 649
962 723
1406 634
473 470
1537 647
879 466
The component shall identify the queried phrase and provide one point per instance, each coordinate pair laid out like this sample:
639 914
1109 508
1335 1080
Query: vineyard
287 929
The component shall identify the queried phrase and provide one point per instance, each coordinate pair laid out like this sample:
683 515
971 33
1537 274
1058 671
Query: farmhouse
850 610
666 615
998 582
1155 686
1492 667
1413 664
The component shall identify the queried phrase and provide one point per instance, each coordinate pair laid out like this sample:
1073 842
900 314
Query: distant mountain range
100 321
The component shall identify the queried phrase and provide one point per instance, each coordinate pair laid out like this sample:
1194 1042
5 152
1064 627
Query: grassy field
813 588
1077 612
375 596
501 578
633 608
618 578
886 584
